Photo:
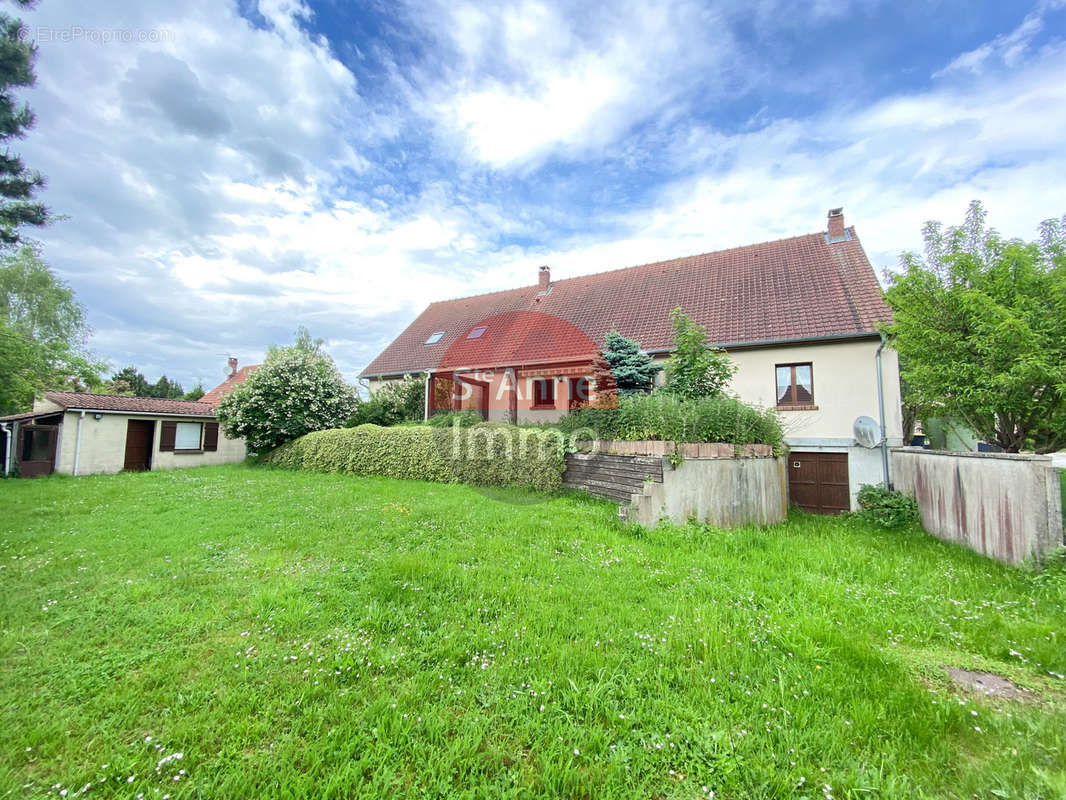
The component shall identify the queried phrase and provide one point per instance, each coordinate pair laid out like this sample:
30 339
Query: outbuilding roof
803 288
80 401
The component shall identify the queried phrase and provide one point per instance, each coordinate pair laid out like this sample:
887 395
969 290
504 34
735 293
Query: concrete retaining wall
1002 505
720 488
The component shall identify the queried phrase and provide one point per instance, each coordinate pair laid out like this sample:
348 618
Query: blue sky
230 171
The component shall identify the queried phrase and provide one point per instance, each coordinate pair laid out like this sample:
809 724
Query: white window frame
182 445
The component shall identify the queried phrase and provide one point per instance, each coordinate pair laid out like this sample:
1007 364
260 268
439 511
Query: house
234 378
78 433
797 316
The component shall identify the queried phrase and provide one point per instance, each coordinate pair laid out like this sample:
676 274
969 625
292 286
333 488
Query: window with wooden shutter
168 432
210 436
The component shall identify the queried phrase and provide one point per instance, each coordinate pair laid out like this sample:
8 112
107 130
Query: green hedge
482 455
670 418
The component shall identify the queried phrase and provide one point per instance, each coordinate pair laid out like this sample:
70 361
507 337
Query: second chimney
544 276
232 366
836 225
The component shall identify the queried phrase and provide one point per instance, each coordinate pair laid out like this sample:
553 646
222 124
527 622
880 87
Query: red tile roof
212 398
141 405
799 288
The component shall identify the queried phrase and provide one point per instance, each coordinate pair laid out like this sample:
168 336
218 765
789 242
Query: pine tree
18 184
632 368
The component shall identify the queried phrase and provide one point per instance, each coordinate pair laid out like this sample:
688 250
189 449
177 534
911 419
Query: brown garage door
818 482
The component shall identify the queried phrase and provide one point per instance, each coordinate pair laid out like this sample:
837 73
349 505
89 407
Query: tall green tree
18 183
695 369
632 368
297 390
980 327
42 333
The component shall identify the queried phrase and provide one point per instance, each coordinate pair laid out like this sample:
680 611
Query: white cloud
1007 48
532 82
208 176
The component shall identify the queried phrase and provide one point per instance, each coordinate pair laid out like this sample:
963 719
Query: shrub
663 416
695 369
393 403
886 508
297 390
462 419
483 455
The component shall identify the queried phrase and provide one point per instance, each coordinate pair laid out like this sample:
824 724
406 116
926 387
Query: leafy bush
886 508
297 390
484 455
695 369
462 419
664 416
393 403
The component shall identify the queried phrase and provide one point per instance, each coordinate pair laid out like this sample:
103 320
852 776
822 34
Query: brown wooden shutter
210 436
168 432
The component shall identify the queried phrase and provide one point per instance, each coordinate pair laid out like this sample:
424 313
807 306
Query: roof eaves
755 343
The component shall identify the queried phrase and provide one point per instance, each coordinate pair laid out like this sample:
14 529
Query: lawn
242 632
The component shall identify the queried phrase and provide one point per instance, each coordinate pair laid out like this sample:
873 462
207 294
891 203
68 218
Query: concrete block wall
1003 505
713 483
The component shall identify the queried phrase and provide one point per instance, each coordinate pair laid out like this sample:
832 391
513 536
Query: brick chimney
544 276
836 225
232 366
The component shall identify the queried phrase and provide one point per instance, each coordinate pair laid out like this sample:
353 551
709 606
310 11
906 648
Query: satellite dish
867 432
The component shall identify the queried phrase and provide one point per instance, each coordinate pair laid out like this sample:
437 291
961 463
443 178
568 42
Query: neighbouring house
79 434
234 378
797 316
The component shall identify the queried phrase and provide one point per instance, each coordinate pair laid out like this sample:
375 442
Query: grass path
302 635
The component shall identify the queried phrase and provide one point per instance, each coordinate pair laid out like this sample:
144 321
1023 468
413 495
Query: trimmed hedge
483 455
665 417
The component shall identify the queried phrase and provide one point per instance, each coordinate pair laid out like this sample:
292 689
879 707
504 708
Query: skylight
435 337
476 332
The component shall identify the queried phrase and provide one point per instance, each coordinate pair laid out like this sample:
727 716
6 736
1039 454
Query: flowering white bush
297 390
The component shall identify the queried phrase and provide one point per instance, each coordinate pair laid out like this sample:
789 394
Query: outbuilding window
795 385
188 437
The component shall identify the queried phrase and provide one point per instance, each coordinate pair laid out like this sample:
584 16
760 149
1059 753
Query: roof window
477 332
435 337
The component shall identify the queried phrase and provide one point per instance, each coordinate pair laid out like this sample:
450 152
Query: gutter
425 394
752 343
8 435
75 410
77 444
881 412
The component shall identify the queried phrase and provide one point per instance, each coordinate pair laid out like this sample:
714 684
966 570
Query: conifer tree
632 368
18 183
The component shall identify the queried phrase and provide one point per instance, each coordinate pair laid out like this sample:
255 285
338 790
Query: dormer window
477 332
435 337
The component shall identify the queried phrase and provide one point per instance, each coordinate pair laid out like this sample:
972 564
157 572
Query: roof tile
793 288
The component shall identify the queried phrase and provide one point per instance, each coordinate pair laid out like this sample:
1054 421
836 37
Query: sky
228 171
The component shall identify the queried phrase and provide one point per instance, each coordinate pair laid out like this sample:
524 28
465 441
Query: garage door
818 482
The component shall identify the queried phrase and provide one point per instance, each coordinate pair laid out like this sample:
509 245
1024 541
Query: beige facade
844 376
103 444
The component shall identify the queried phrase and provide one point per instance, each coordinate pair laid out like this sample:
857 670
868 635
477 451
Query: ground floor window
544 393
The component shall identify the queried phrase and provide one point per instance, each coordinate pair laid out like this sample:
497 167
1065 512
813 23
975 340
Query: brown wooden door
36 454
139 435
818 482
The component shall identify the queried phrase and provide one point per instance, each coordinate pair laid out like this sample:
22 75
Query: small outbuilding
78 434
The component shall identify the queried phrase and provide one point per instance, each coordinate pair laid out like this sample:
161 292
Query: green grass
309 635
